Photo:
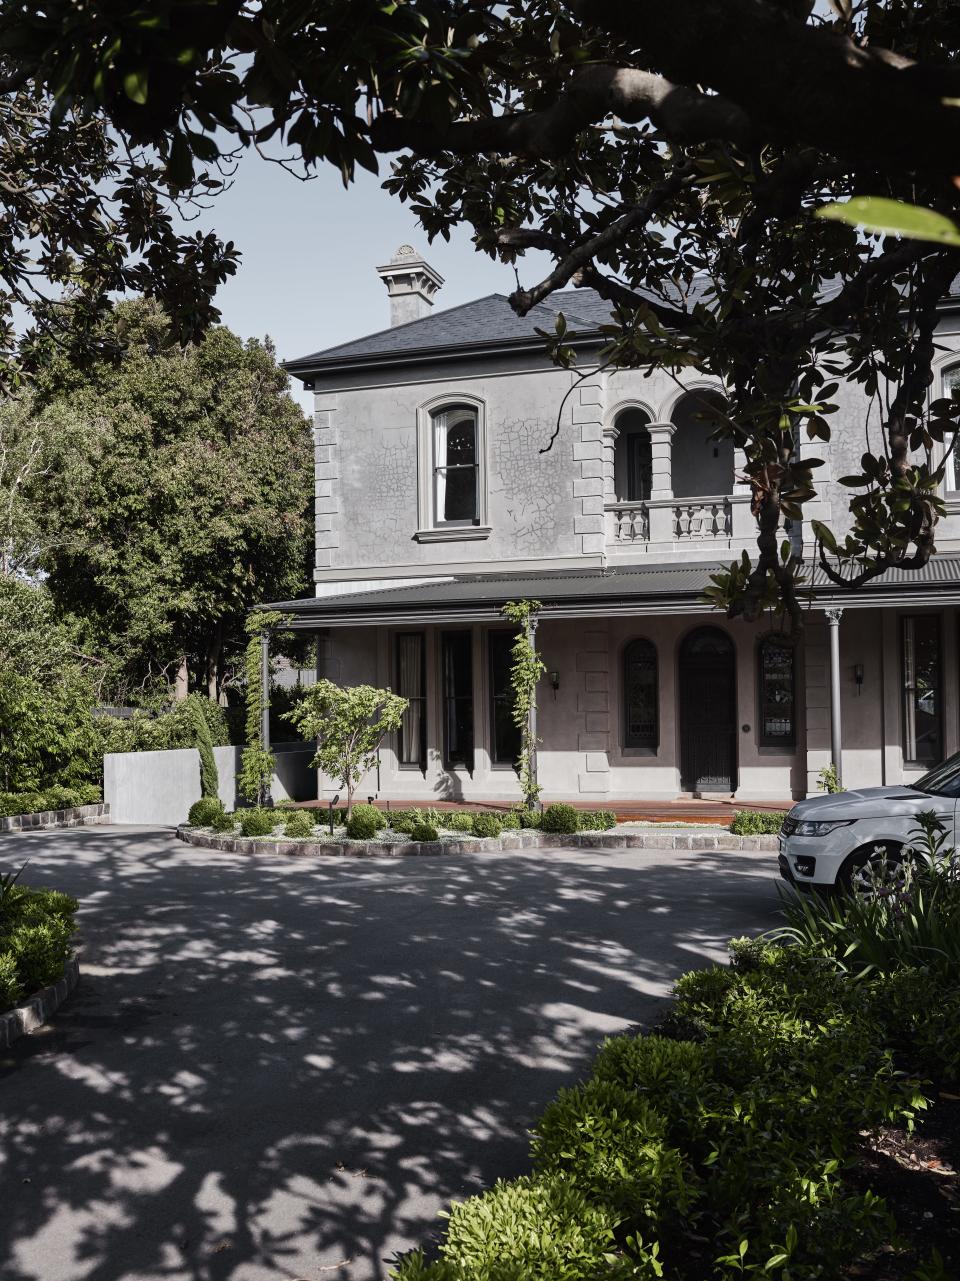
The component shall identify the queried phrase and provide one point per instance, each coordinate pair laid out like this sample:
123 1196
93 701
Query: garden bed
37 970
397 845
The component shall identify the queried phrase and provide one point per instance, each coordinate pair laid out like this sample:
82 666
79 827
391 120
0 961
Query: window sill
453 533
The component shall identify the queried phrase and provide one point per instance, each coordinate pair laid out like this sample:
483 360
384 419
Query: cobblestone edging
29 1014
79 816
511 840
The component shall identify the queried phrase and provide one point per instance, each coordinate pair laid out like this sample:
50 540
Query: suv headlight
806 827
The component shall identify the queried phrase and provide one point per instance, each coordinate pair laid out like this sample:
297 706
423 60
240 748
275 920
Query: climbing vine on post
526 669
257 762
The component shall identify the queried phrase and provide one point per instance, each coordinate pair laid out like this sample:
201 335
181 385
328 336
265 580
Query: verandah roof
621 590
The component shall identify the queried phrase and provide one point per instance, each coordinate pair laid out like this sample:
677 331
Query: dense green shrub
560 818
257 822
298 823
35 931
204 813
509 820
164 727
203 741
486 824
424 832
757 822
458 821
365 822
537 1228
403 820
529 818
597 820
52 798
728 1138
224 822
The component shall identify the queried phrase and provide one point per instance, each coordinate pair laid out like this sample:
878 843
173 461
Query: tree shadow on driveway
280 1068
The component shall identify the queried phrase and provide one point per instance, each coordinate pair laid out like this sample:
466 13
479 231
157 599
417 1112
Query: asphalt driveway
279 1068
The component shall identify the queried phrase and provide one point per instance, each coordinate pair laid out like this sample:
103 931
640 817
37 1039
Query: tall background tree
675 155
179 497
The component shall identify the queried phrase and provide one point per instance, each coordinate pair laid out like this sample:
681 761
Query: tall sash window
457 652
411 685
777 693
922 690
455 466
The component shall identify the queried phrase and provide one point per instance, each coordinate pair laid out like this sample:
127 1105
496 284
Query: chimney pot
411 283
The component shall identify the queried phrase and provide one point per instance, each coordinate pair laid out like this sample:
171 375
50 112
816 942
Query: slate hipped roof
489 321
584 593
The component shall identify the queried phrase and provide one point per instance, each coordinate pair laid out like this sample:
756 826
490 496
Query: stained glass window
640 695
777 693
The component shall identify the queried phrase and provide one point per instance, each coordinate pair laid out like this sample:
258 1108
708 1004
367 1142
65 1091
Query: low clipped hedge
35 931
205 812
560 818
720 1146
365 822
757 822
50 798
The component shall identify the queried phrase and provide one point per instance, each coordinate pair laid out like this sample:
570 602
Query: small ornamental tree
349 726
526 668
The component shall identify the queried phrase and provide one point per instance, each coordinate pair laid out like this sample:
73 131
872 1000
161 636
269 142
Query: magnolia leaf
894 218
135 85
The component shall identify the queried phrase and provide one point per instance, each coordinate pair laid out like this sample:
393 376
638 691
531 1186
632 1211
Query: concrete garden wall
159 787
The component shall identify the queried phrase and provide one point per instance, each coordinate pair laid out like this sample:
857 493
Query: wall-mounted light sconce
554 682
858 676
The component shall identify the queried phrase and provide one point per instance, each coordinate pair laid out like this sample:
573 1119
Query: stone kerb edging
78 816
36 1009
510 840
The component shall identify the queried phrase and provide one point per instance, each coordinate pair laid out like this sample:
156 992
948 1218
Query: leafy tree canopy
47 731
672 154
181 498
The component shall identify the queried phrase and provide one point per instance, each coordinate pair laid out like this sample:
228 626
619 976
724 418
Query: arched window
701 467
633 460
455 466
640 696
777 693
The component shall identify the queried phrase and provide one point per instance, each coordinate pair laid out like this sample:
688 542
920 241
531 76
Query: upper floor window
633 460
951 384
455 466
777 693
640 696
451 449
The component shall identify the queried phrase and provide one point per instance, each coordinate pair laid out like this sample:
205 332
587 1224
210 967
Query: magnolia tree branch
797 81
682 113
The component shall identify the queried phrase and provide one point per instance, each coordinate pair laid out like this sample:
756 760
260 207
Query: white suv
827 840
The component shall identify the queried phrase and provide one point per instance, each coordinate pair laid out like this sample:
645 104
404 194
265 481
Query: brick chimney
411 283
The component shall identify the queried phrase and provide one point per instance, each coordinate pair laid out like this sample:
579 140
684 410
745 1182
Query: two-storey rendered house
439 496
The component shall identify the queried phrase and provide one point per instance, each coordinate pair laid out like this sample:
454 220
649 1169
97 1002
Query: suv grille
789 826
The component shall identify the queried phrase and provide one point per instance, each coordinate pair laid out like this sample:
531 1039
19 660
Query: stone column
661 483
836 748
610 436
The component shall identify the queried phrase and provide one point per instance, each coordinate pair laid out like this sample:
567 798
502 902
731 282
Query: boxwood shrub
258 822
205 812
365 822
424 831
509 820
298 824
560 818
528 818
458 821
486 824
224 822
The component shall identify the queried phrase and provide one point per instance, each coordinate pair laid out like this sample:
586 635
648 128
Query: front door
707 691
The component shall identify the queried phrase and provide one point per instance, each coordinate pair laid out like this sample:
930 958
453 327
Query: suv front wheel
872 869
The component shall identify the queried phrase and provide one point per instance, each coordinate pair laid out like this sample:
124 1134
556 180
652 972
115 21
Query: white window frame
430 528
951 482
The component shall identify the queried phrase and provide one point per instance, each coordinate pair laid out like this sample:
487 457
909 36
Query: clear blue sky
307 276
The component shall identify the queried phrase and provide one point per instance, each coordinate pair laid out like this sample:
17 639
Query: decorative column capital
611 433
661 429
833 616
